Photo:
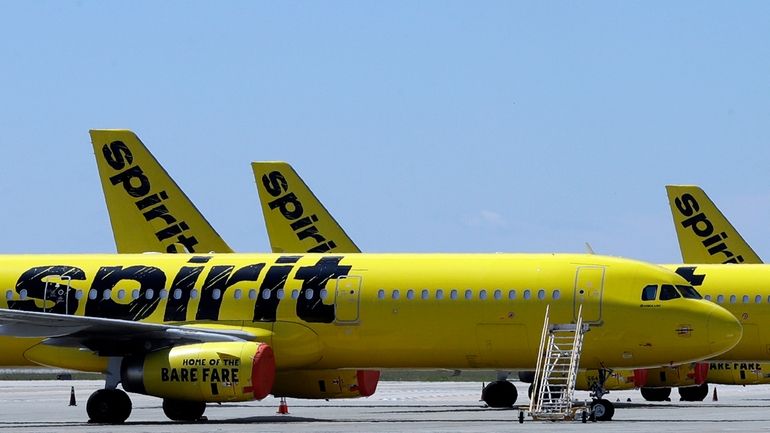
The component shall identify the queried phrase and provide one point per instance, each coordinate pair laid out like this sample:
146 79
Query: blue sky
424 126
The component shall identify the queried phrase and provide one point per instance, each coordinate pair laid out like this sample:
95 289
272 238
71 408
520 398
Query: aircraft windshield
667 291
689 292
649 292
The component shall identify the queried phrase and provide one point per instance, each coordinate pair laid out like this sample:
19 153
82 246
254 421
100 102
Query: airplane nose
724 330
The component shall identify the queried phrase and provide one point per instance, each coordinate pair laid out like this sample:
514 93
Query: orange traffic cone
72 397
714 396
283 408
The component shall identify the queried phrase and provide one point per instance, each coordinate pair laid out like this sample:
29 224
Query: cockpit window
667 291
649 292
689 292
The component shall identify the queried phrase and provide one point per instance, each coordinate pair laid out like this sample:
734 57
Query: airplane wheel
183 410
694 393
531 389
499 394
603 409
109 406
656 394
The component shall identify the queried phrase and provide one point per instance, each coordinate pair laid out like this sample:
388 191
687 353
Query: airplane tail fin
148 211
296 220
705 235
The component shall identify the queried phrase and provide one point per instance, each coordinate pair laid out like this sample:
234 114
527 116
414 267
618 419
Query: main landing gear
108 406
656 394
694 393
499 394
182 410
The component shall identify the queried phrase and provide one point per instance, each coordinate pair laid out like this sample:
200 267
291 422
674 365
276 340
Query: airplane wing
109 337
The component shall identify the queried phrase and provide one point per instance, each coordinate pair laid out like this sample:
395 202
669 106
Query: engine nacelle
326 384
680 375
228 371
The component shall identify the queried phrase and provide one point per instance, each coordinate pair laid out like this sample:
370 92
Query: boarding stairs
557 366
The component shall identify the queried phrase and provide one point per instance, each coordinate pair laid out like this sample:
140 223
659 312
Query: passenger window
556 294
410 294
380 294
193 293
309 294
163 294
108 293
511 294
295 294
23 294
667 292
9 295
483 294
121 294
396 294
733 299
541 294
135 294
215 294
468 294
266 294
689 292
453 294
527 294
323 294
745 299
280 293
758 299
237 294
649 293
425 294
440 294
252 294
708 297
78 294
498 294
177 293
720 299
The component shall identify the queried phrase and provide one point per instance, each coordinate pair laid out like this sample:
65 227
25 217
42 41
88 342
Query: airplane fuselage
383 310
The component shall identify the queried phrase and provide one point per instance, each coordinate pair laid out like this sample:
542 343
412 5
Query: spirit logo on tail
699 224
291 208
136 184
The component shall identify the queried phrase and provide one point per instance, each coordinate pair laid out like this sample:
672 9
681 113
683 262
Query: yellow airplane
197 328
150 213
696 242
706 236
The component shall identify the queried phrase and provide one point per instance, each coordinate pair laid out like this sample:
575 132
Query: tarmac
43 405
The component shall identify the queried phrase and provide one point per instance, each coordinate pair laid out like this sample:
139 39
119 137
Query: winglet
705 235
148 210
296 220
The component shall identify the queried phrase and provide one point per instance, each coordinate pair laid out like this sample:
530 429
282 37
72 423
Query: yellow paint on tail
148 211
296 220
705 235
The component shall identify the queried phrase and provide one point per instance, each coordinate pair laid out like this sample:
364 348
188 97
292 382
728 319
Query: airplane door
589 283
346 299
56 290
